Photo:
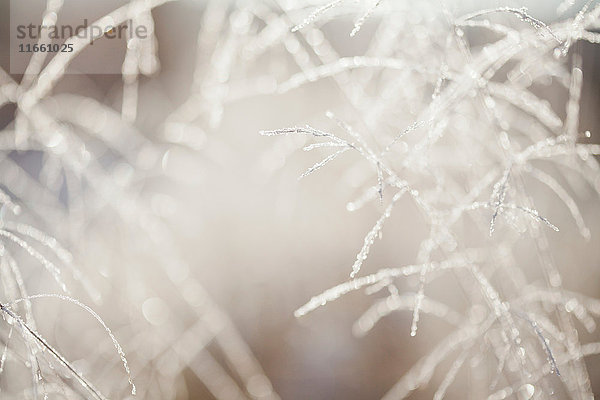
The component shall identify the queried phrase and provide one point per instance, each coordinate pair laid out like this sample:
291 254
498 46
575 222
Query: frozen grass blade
316 14
372 235
41 341
97 317
360 22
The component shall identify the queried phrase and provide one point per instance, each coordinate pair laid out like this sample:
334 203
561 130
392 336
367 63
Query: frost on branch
461 131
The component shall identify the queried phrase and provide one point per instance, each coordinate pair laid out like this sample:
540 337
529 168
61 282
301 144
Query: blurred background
261 242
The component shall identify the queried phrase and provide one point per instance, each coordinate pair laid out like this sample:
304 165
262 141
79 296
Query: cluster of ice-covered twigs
96 302
461 131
